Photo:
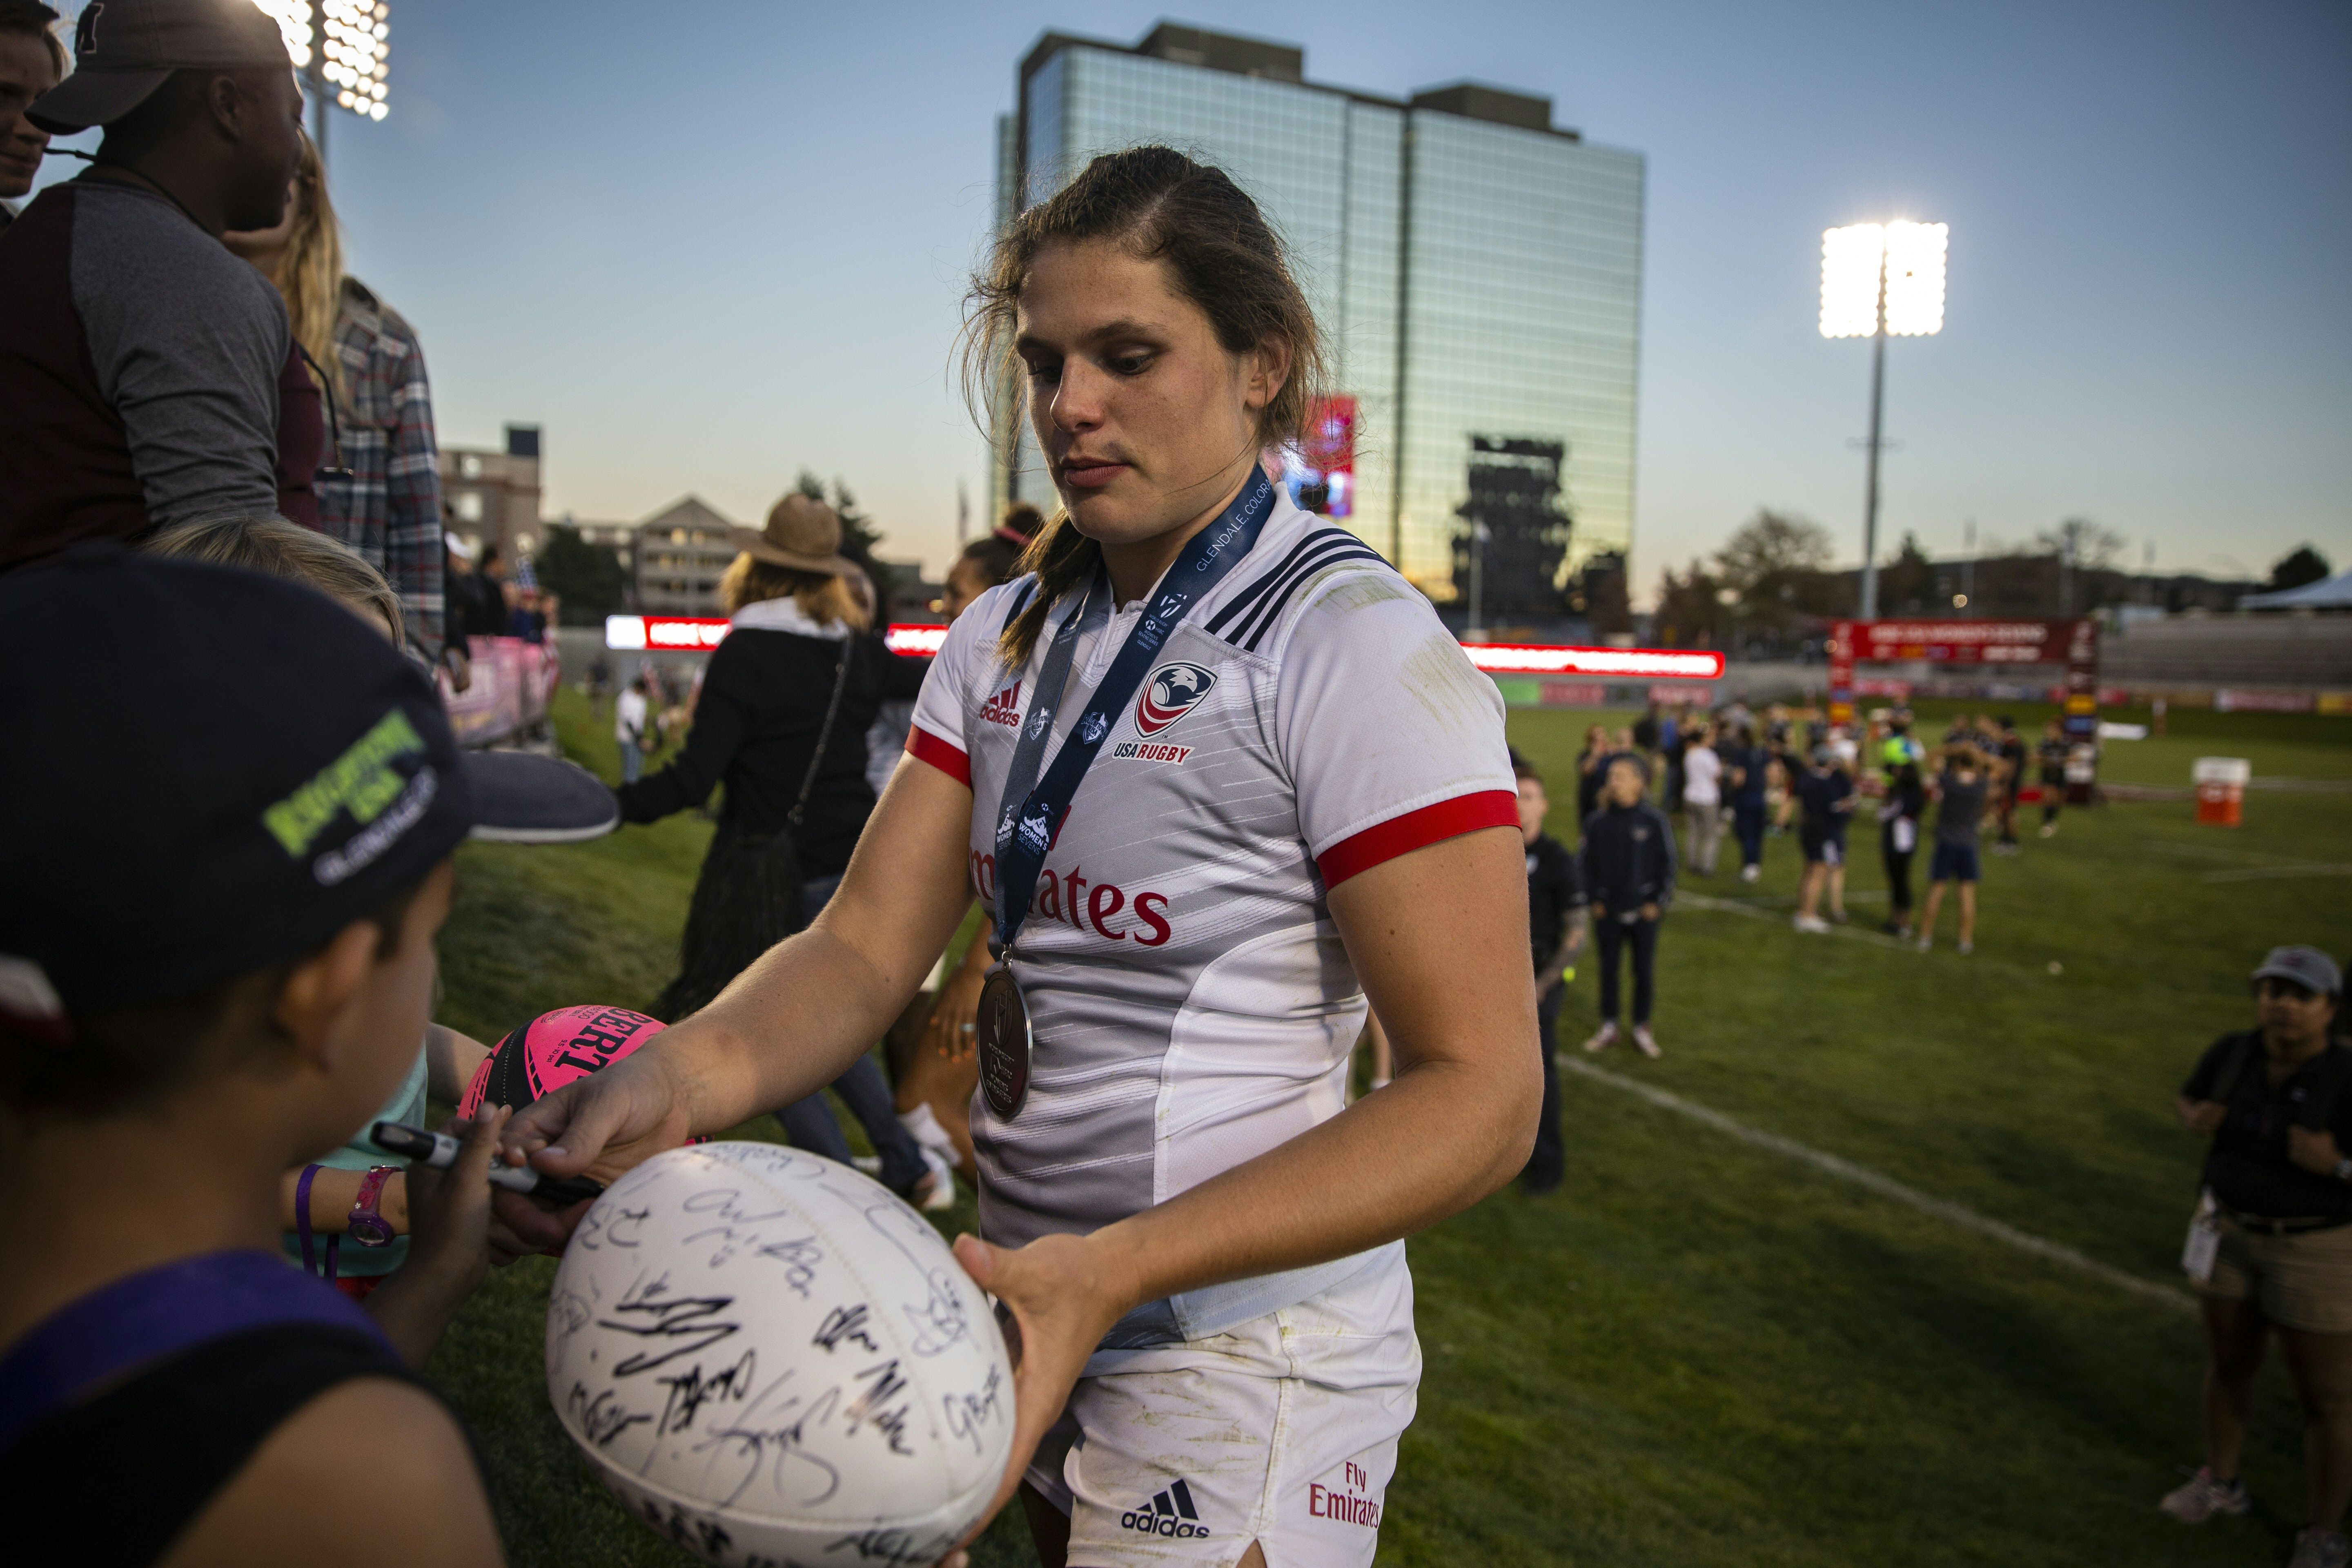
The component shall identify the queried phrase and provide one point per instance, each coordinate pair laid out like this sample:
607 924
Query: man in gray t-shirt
1962 788
147 376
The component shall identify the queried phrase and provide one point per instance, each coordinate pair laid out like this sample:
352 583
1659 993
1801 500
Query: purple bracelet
302 1226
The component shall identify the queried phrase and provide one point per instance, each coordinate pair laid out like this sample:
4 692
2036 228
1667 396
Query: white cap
458 547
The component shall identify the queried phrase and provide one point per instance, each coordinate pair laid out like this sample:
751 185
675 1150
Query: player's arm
786 1026
397 1443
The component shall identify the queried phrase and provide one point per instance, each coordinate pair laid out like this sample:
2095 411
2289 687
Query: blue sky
708 245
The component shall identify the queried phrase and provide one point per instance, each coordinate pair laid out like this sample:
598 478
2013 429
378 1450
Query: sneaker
1646 1042
1966 948
1812 923
1602 1040
1750 873
941 1193
1926 944
2201 1497
2314 1548
1837 916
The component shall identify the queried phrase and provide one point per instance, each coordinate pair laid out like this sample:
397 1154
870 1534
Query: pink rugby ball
551 1051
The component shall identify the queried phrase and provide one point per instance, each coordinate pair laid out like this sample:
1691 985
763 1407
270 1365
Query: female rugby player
1219 776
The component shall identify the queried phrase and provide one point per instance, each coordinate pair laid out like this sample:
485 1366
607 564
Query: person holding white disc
1219 777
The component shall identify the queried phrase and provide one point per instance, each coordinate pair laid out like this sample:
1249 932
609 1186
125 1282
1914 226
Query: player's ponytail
1221 254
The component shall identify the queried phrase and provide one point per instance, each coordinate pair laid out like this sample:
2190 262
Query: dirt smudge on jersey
1442 680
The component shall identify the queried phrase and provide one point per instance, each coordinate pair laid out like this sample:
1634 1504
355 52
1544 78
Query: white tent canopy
2328 594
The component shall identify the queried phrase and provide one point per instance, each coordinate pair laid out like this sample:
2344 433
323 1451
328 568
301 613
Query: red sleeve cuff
926 747
1415 830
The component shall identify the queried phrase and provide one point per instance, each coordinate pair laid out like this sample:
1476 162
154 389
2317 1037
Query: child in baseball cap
346 1214
227 842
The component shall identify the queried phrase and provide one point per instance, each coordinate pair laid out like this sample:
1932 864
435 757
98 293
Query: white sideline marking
2265 873
1737 907
1887 1187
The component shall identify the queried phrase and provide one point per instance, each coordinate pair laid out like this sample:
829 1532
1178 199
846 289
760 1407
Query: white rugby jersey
1193 1006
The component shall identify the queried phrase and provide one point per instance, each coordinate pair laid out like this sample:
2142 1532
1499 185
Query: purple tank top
155 1314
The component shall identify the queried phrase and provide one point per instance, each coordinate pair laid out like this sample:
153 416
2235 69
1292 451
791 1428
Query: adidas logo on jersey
1169 1513
1005 708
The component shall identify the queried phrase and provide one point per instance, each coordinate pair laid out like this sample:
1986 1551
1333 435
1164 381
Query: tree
588 579
1771 548
1908 583
2083 544
1776 566
1690 608
2304 564
2080 545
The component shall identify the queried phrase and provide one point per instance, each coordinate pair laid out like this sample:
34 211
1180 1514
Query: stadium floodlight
1915 279
344 49
1880 280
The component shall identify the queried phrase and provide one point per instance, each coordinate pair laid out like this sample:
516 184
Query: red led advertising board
699 634
1985 644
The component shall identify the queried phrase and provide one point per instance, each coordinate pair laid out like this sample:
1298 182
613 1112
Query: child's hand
449 1211
448 1248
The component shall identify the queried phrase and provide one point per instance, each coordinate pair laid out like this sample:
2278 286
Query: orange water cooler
2220 789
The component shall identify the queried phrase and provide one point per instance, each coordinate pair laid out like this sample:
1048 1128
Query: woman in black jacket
780 719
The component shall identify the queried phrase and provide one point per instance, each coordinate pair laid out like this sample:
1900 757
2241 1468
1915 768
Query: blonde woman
380 491
781 719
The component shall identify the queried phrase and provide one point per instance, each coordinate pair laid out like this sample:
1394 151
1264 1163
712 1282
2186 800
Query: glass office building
1478 270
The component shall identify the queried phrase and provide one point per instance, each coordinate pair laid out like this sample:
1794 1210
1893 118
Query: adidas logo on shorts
1170 1513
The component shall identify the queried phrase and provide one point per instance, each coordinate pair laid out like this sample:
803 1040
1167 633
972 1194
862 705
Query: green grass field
1699 1351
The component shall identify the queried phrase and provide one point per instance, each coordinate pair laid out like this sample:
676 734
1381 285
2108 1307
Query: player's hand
2313 1149
955 1016
1600 910
1649 912
1063 1298
2203 1117
598 1126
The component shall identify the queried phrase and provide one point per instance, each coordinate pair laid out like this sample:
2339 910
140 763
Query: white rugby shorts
1282 1431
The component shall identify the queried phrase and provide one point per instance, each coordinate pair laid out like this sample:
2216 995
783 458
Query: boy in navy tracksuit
1627 865
1556 934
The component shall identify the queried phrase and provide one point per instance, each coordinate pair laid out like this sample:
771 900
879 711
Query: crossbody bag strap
832 712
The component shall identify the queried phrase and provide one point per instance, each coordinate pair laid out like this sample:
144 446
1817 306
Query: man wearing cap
148 376
2270 1248
31 62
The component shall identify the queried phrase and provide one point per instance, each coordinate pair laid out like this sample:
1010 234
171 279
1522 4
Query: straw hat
802 534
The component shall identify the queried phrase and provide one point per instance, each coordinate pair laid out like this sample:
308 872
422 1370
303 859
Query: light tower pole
1869 484
1877 281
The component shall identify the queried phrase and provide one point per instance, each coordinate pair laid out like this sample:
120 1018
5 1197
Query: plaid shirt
390 508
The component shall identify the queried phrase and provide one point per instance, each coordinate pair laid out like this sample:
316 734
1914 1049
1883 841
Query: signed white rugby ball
770 1359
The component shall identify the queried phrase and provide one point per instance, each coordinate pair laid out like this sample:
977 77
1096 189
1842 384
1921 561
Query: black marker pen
438 1152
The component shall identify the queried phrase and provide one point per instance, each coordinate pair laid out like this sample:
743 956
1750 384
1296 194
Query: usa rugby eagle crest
1173 691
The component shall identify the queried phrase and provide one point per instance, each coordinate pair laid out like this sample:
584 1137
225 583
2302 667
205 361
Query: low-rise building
681 553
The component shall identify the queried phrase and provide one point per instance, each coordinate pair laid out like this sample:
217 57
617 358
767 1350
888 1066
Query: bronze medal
1004 1041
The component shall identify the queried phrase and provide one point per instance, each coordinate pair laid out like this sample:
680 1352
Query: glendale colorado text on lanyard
1025 831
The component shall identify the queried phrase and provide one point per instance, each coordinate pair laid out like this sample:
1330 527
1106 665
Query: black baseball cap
124 49
211 770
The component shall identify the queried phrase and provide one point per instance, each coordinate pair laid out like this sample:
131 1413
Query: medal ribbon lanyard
1023 833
